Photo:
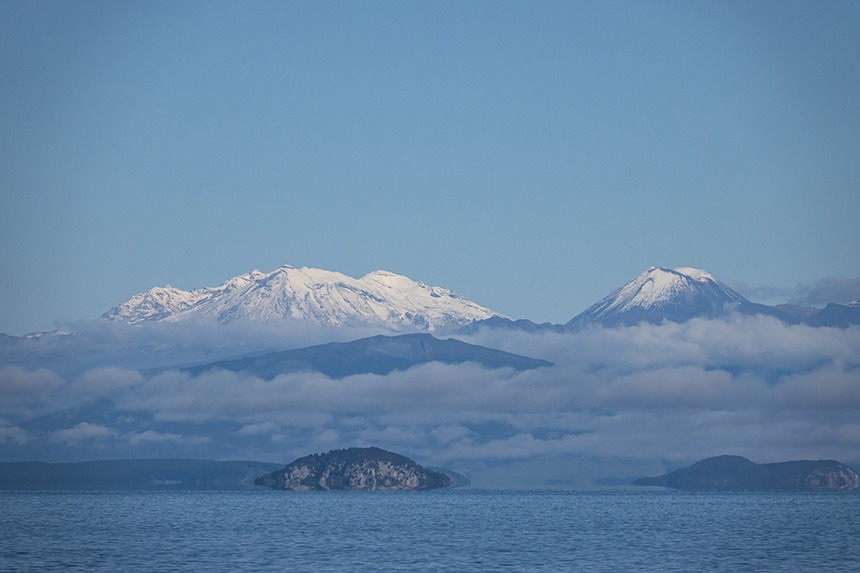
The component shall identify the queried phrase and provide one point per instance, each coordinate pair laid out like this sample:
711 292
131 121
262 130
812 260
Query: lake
443 530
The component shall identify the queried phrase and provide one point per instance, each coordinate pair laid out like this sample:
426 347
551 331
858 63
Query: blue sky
530 156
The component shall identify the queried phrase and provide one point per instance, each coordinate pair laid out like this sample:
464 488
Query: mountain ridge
376 354
395 303
328 298
729 472
676 295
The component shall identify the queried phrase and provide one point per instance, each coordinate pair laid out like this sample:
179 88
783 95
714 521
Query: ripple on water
462 530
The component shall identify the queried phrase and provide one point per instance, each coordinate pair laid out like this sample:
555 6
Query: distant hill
354 469
163 474
375 355
836 315
457 479
503 323
797 312
736 472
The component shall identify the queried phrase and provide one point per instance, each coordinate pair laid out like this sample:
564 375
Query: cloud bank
669 393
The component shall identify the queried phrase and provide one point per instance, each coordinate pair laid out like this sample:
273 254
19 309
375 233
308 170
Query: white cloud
13 435
151 436
257 429
27 393
685 387
18 382
81 432
833 386
98 381
675 392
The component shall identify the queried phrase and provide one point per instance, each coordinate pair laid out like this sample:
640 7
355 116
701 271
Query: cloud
756 342
93 344
833 386
151 436
13 435
674 392
17 383
26 393
102 380
450 432
261 428
81 432
820 293
622 392
686 387
828 289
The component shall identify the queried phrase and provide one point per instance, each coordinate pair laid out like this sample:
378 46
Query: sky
532 157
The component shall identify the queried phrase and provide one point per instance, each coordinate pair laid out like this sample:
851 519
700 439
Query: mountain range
266 364
677 295
736 472
395 303
379 299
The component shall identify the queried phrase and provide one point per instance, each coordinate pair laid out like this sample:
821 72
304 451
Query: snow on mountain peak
380 299
696 274
658 287
659 293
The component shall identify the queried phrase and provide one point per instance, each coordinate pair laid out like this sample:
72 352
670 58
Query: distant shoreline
142 474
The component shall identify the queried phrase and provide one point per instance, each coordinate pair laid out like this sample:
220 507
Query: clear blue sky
531 156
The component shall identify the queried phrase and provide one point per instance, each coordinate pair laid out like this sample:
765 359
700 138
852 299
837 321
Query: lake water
443 530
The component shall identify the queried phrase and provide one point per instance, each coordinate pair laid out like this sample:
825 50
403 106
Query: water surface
443 530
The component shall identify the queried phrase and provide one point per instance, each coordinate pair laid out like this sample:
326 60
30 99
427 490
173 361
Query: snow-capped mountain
379 299
672 294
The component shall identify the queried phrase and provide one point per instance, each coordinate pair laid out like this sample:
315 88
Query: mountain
670 294
504 323
354 469
377 355
736 472
797 312
837 315
379 299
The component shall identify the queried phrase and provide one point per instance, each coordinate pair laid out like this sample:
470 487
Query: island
736 472
354 469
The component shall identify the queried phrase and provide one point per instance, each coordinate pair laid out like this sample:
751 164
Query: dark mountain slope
736 472
837 315
376 355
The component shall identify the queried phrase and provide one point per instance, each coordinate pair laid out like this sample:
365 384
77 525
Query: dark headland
736 472
354 469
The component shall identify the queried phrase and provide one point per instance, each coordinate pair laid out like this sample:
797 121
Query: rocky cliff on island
736 472
354 469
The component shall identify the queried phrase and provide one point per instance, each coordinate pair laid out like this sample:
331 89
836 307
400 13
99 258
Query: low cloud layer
672 392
